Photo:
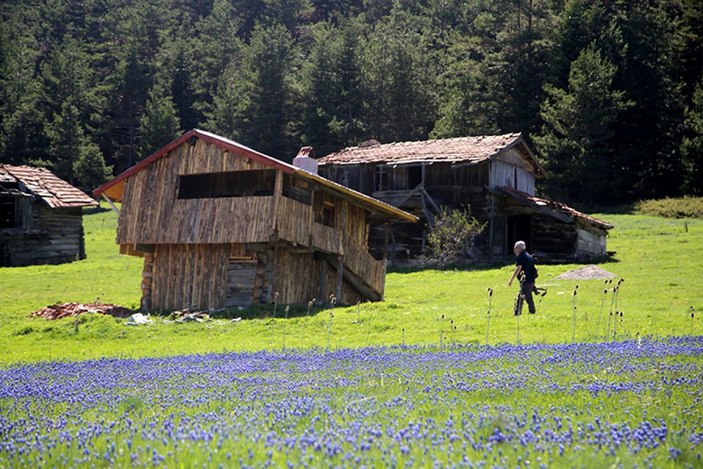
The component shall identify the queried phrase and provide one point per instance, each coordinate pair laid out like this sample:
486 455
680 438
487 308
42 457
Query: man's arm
518 269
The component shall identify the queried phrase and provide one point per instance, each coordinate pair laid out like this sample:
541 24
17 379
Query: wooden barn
41 217
495 175
222 225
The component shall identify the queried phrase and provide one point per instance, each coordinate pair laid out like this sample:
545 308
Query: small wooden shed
222 225
493 174
41 217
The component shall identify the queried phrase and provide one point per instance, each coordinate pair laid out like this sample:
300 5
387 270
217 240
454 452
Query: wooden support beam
323 283
429 198
277 194
340 278
111 204
354 280
386 235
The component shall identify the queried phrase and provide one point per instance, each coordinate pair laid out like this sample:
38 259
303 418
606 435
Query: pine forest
609 94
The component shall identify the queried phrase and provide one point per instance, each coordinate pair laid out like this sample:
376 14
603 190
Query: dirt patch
67 310
589 272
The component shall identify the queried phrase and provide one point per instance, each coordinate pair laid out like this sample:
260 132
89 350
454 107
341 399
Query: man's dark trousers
526 292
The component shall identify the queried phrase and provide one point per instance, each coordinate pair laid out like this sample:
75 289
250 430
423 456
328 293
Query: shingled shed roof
446 150
41 182
563 211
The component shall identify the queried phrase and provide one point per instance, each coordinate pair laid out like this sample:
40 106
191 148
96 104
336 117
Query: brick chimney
305 159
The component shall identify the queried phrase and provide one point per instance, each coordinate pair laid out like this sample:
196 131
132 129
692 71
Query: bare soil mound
66 310
589 272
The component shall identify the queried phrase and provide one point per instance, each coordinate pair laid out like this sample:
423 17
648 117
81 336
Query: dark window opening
328 214
381 178
414 176
252 183
519 229
8 212
296 189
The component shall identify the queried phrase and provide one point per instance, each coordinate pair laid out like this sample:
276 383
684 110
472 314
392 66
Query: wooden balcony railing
326 239
363 265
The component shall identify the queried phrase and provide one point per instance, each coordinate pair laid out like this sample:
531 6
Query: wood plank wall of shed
56 236
189 276
297 279
294 221
554 239
151 212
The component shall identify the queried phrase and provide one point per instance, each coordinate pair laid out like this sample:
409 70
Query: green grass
657 257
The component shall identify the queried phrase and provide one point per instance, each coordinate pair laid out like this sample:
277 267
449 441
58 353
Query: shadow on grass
94 210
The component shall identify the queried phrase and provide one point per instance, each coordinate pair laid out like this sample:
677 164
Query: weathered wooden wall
447 185
553 239
511 170
189 276
190 243
294 221
591 242
48 236
151 212
361 177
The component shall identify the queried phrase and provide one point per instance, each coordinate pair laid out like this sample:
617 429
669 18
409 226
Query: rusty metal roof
449 150
41 182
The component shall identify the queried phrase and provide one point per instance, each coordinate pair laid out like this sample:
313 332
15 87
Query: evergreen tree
21 121
470 104
524 65
649 132
333 96
397 75
182 90
130 98
89 169
216 50
159 123
253 104
577 138
692 145
65 140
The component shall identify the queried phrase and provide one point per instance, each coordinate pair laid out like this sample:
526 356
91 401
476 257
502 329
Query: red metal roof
554 205
451 150
41 182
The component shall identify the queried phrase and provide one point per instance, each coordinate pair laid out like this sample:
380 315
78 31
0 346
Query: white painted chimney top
305 159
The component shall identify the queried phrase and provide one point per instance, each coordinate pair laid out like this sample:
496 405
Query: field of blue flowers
623 403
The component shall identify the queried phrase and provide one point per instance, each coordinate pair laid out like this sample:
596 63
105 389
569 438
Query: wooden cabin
222 225
41 217
494 175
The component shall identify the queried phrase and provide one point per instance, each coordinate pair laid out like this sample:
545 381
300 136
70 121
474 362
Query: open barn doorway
519 229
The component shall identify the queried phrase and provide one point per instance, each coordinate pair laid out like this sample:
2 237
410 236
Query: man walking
525 267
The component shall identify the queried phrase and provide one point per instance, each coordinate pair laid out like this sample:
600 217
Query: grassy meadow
657 257
427 378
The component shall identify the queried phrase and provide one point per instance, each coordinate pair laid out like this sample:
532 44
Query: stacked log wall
554 240
55 237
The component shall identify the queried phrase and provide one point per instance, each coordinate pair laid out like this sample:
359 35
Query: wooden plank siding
151 212
326 239
192 276
360 262
294 221
222 247
54 236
